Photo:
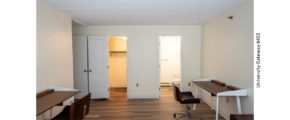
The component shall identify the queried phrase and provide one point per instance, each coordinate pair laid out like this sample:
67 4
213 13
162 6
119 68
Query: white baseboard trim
142 97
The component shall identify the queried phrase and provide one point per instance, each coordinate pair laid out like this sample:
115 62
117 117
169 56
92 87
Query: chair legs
185 114
181 115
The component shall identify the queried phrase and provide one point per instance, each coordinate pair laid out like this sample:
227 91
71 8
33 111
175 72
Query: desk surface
47 101
211 87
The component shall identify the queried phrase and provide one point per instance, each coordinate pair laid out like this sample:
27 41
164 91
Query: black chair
184 98
83 107
77 111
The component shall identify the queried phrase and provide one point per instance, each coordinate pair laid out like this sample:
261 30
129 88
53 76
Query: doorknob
90 70
85 70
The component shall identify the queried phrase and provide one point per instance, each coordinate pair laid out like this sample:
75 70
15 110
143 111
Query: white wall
227 53
54 51
54 48
143 53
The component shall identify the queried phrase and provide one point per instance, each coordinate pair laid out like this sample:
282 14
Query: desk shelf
118 51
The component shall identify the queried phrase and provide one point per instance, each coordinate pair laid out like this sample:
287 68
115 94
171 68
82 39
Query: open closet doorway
169 52
118 65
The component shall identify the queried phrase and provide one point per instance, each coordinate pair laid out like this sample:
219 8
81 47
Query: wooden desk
211 87
50 98
219 89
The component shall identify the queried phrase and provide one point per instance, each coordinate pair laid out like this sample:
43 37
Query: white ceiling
142 12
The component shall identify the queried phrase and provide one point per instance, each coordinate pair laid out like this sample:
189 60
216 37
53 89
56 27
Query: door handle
85 70
90 70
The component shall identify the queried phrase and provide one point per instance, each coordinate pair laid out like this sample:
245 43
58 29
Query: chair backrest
82 107
176 92
173 89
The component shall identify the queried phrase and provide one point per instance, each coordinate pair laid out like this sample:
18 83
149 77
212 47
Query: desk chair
184 98
77 111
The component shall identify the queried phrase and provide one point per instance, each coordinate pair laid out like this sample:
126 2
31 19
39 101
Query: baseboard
142 97
165 84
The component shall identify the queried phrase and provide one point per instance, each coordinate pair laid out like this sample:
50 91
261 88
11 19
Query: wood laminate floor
118 107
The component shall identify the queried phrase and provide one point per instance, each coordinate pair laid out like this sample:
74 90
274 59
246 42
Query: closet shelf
118 51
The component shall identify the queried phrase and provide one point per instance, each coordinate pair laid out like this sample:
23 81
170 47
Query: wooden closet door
80 65
98 67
